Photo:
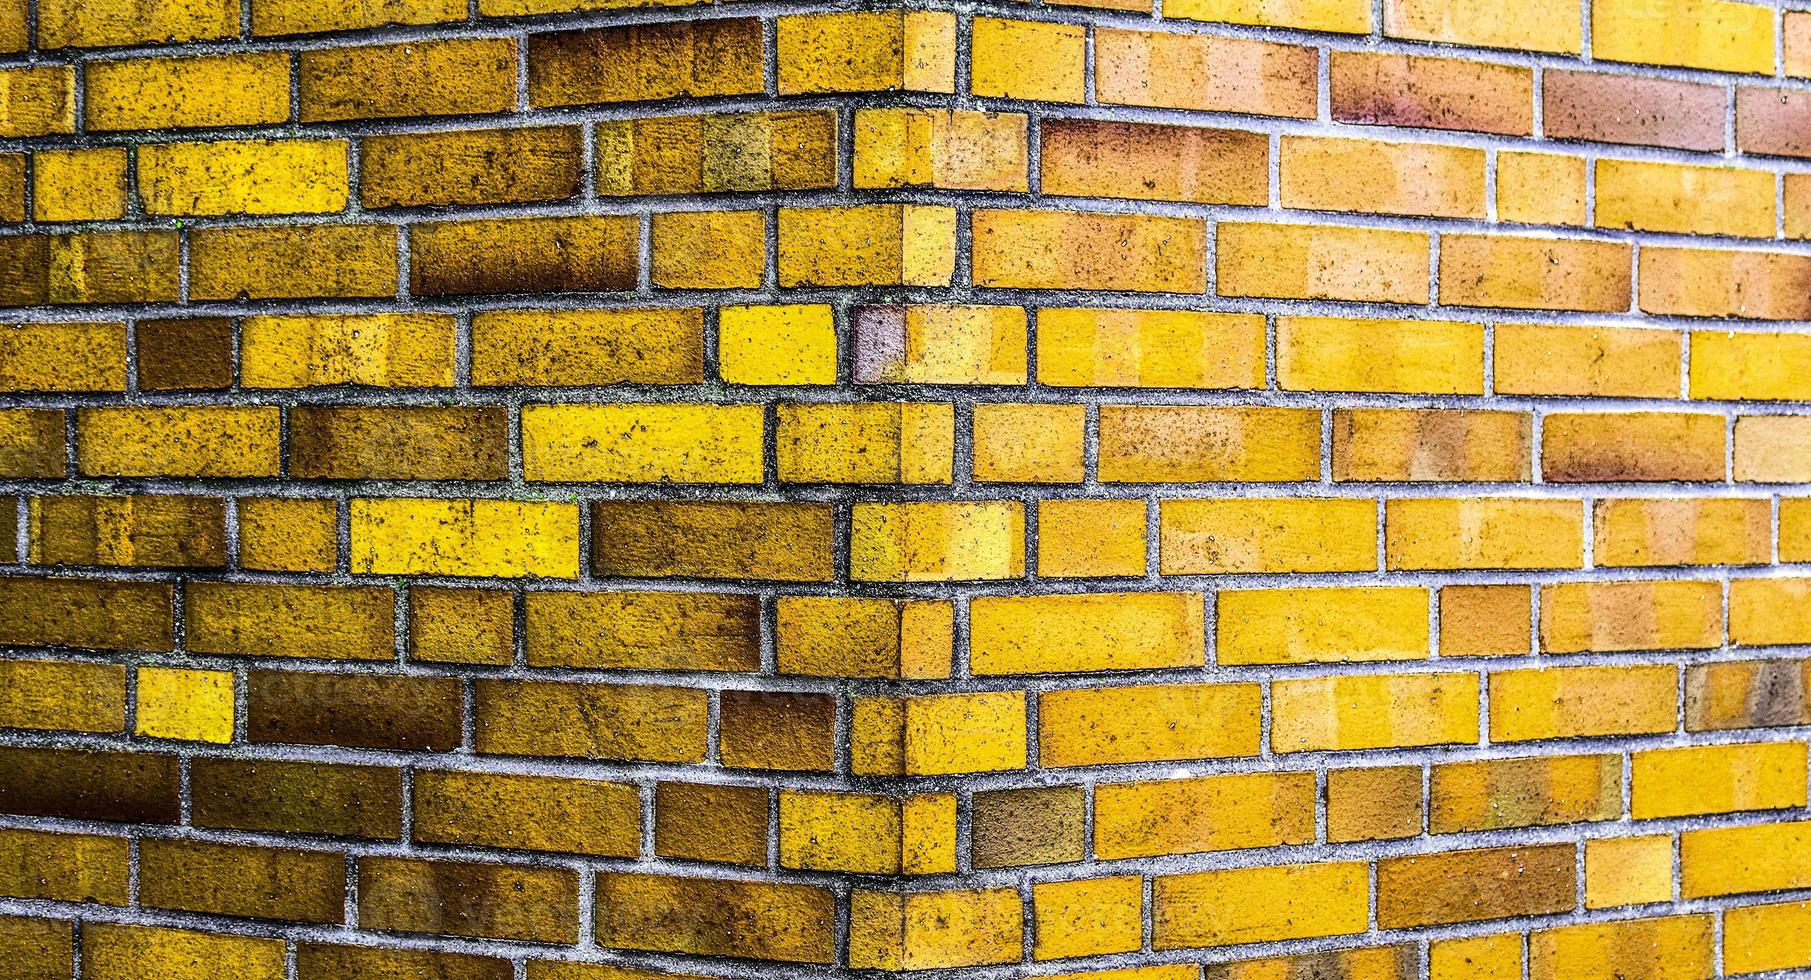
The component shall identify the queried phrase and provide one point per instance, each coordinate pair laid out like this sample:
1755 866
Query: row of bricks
1046 825
905 443
921 735
798 344
960 150
915 51
913 245
941 929
1755 939
948 540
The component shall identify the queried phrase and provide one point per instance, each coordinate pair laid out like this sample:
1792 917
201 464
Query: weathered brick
37 100
1321 625
1473 886
773 541
1682 532
1423 445
475 166
1159 444
934 735
1159 723
1764 612
184 354
794 344
86 613
1370 265
1483 532
1758 938
1043 825
540 813
279 534
1668 197
319 961
365 711
64 867
777 730
126 787
1492 957
109 23
589 721
955 149
872 244
1700 779
39 949
1033 60
252 882
1634 446
587 347
643 630
1542 25
1541 188
1220 74
937 541
122 952
743 151
1382 803
1575 702
90 267
1720 282
500 538
1088 916
862 51
1613 362
180 703
1399 356
1532 792
1338 16
524 255
1534 273
867 834
297 262
1432 93
271 17
143 531
703 822
329 622
77 185
695 58
1028 442
421 78
1400 962
1370 711
708 250
1149 348
960 345
1617 108
1746 694
1628 870
1088 538
179 441
935 930
1219 908
469 626
883 442
465 898
772 921
1717 35
1682 945
1212 537
172 93
858 637
63 357
376 350
297 797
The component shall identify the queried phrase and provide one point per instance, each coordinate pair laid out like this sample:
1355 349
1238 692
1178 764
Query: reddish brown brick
1472 886
698 58
135 787
1434 93
1774 121
1615 108
419 714
778 730
524 255
346 442
185 355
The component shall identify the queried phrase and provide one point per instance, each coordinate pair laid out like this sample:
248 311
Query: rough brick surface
1133 489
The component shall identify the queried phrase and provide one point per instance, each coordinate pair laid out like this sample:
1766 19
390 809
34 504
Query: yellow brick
1477 958
1612 616
865 834
1089 917
709 250
1373 711
954 149
192 705
1210 813
937 541
1484 532
1541 188
1321 625
203 441
1377 803
1150 349
1539 25
775 921
647 443
867 51
883 442
311 16
940 734
1675 946
170 93
935 930
1215 537
1758 938
1208 444
1574 702
79 185
738 151
959 345
384 350
1628 871
1371 265
875 244
1683 532
111 23
1337 16
1615 362
452 77
15 33
777 345
53 695
502 538
293 262
839 636
1534 273
1769 449
1495 794
13 180
63 357
245 176
278 534
1246 905
1718 35
1021 443
37 101
1399 356
1484 620
1769 611
1688 200
1329 174
588 347
1017 59
1089 538
128 531
1091 632
127 952
1735 860
1750 366
1089 250
1795 529
1717 779
1159 723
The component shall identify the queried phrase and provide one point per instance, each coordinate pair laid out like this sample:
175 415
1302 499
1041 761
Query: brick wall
577 490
